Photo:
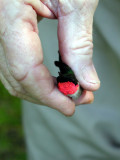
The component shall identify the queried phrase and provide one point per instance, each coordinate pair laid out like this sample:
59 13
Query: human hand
21 58
75 20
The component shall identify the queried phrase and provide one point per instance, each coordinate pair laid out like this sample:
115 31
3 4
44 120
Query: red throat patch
67 87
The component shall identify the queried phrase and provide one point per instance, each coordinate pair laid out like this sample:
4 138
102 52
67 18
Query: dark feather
66 74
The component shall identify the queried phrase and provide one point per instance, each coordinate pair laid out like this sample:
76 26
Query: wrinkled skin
21 57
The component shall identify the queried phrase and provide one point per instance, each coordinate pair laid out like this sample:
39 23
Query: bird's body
67 82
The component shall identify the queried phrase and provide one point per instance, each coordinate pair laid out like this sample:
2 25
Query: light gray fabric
93 132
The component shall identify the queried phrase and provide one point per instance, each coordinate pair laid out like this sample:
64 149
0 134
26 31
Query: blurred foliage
12 145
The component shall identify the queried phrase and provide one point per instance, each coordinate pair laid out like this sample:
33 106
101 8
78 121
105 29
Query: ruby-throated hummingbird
66 81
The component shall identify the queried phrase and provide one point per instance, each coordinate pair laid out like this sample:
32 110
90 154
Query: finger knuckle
69 112
82 45
68 109
20 71
12 92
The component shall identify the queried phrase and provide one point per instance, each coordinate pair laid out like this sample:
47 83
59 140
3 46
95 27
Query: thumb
75 43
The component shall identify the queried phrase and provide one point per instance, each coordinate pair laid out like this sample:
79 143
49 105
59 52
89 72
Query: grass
12 145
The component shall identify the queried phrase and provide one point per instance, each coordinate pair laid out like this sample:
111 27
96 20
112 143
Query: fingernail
90 75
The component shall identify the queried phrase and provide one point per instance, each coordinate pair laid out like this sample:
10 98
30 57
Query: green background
12 146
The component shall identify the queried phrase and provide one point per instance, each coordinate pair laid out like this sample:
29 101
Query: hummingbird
66 81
